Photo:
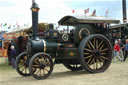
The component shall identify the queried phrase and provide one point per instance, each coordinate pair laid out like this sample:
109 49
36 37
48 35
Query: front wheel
41 66
95 53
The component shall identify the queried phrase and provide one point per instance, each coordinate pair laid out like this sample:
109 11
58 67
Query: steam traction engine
84 47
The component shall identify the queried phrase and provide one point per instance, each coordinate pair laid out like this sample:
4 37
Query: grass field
117 74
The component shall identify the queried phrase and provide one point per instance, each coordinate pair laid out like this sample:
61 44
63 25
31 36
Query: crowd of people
16 47
120 50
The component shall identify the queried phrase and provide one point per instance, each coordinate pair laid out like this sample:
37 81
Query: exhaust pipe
124 11
34 9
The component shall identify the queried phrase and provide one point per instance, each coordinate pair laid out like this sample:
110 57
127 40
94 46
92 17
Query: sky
51 11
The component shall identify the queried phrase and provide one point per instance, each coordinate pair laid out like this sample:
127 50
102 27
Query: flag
73 11
106 14
94 13
9 27
1 25
5 24
86 11
17 24
57 27
24 25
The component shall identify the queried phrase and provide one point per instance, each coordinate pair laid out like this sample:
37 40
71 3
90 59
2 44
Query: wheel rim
22 65
41 67
96 54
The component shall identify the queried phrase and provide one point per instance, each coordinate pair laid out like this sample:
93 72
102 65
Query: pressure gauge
65 37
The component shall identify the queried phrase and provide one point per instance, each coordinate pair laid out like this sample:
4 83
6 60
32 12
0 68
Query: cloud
15 12
51 10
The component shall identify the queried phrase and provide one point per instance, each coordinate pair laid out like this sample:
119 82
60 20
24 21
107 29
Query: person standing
15 44
13 56
121 49
116 51
8 53
126 49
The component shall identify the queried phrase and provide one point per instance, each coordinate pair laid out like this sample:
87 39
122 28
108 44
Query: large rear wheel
95 53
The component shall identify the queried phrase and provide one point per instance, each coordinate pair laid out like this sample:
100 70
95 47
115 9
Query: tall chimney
124 11
35 9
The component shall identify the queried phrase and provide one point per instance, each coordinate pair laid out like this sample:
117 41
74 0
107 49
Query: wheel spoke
76 65
104 50
25 58
34 69
89 61
43 59
73 65
92 61
40 72
91 45
43 71
88 57
27 70
96 64
47 63
100 44
35 61
94 42
37 71
20 65
35 65
102 60
21 61
88 50
88 45
104 57
23 69
103 53
46 70
40 60
86 53
99 62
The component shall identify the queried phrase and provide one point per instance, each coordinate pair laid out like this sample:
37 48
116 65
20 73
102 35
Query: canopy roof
41 28
73 20
124 25
18 30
